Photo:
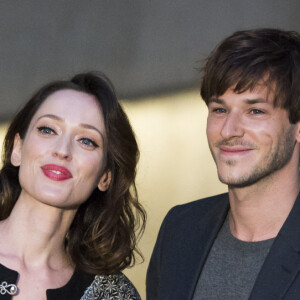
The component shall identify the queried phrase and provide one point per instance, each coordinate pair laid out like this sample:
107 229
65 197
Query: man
244 244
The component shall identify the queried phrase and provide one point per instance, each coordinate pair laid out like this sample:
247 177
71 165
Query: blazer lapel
283 261
198 242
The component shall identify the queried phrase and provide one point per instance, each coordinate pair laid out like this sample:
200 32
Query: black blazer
185 239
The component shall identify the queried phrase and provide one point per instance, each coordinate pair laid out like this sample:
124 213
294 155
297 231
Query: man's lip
56 172
234 150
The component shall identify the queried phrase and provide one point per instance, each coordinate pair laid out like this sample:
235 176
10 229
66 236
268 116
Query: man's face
248 137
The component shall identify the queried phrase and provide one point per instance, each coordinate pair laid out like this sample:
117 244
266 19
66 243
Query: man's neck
257 212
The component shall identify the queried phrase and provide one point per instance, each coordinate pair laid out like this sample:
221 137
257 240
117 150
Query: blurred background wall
150 50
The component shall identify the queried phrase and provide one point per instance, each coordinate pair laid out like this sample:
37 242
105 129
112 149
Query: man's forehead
258 94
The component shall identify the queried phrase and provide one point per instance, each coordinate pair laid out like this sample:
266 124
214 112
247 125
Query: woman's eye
46 130
88 143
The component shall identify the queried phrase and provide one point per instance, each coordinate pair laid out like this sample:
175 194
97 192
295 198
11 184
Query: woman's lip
56 172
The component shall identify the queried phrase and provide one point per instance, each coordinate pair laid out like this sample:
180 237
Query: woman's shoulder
114 287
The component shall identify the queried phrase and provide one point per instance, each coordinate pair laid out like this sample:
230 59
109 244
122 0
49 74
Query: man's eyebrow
254 101
216 100
57 118
248 101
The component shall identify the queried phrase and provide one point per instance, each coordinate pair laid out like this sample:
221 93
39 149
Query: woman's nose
63 149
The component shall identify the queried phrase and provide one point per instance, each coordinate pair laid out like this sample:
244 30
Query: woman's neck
34 234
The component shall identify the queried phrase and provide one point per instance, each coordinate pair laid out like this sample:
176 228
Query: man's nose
232 126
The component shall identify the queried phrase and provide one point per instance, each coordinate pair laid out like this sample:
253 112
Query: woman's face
62 157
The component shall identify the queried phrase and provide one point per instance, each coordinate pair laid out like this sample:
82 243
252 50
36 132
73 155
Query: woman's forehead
73 106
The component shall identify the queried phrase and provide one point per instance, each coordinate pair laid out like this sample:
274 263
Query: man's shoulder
201 204
198 208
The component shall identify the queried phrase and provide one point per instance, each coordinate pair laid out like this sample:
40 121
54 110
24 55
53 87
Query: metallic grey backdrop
144 46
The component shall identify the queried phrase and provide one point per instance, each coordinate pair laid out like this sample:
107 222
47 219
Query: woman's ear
16 153
104 182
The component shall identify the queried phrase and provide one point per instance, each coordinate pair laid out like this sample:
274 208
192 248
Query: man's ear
16 153
104 181
298 132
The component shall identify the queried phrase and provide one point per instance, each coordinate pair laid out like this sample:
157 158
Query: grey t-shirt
231 267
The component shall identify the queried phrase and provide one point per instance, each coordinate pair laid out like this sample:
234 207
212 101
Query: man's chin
237 181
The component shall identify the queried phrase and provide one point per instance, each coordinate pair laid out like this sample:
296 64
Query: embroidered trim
112 287
8 288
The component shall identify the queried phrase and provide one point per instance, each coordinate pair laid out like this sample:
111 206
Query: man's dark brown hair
247 59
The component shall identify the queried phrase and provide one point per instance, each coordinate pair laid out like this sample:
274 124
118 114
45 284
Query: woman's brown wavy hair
102 238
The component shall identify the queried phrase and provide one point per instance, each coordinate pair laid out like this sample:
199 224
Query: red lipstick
56 172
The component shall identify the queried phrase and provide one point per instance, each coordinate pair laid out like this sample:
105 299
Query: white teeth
56 172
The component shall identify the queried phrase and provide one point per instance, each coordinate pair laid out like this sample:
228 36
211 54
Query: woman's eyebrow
51 117
83 125
88 126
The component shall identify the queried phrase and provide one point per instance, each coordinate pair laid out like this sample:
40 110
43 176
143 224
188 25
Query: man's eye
46 130
88 143
256 111
219 110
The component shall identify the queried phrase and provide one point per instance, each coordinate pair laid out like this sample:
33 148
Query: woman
69 207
